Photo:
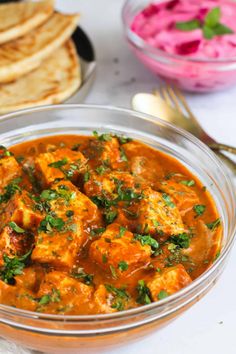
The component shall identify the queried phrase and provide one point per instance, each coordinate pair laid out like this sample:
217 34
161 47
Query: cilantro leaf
181 240
58 164
147 240
188 183
144 294
16 228
81 274
162 295
10 190
12 267
120 292
199 209
168 200
110 216
213 225
123 266
49 223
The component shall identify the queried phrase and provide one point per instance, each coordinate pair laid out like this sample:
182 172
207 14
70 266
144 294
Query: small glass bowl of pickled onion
188 57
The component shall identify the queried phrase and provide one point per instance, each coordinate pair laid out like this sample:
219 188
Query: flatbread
54 81
26 53
19 18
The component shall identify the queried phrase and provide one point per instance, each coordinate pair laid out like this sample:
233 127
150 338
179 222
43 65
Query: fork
174 98
164 103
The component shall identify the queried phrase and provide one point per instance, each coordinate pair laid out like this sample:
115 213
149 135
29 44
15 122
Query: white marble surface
209 326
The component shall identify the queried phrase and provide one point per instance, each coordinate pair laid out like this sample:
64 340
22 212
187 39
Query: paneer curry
99 224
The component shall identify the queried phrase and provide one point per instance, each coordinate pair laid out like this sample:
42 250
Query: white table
209 326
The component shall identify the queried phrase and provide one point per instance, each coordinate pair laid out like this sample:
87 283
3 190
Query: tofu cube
183 196
171 280
60 164
118 252
158 215
65 294
9 170
21 209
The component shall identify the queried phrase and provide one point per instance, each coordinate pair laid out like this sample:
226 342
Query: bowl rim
6 309
156 53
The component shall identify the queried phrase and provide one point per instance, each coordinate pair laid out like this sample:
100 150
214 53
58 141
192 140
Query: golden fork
169 104
174 97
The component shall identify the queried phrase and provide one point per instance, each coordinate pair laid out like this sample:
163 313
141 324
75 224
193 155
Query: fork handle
230 163
224 147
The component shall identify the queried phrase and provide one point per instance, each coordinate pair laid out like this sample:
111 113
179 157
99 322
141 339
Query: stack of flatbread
38 60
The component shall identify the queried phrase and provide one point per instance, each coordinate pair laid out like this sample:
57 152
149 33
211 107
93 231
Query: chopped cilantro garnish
97 231
45 299
58 164
119 292
102 137
122 231
123 139
147 240
12 267
16 228
10 190
86 176
113 272
123 155
162 295
110 216
181 240
213 225
104 258
123 266
199 209
188 183
101 169
54 296
144 295
80 274
168 200
49 223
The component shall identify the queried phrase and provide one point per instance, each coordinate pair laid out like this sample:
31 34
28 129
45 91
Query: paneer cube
17 297
9 170
183 196
118 252
22 210
103 300
60 245
65 295
110 299
142 168
72 199
14 244
158 215
111 153
104 150
170 281
59 248
60 164
108 183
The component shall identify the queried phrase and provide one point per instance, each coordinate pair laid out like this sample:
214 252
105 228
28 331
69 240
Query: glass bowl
98 333
190 74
